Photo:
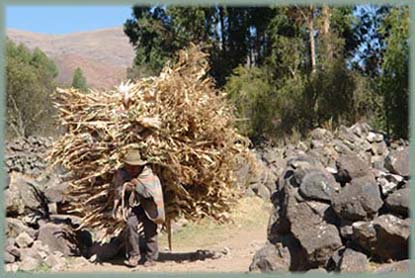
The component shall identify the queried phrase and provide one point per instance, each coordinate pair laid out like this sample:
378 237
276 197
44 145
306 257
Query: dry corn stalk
180 123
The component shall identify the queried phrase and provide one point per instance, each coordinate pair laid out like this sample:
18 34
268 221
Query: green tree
30 82
232 36
79 80
394 72
287 69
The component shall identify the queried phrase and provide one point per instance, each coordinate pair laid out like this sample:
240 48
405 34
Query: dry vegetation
180 123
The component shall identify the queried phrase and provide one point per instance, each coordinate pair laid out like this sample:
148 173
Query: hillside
103 55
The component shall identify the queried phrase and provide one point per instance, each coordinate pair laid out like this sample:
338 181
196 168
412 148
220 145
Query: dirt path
242 239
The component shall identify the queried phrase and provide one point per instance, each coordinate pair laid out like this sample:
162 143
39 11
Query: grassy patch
251 213
43 268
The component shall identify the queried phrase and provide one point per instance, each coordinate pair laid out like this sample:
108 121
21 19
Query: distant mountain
103 55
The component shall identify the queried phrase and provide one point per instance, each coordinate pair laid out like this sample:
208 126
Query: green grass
43 268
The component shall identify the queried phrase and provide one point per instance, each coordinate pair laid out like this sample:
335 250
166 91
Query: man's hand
129 186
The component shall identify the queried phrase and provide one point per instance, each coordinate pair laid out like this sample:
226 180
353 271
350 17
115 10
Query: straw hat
133 157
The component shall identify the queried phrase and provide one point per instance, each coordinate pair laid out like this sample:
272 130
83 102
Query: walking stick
168 224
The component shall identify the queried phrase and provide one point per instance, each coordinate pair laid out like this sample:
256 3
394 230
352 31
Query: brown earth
103 55
242 238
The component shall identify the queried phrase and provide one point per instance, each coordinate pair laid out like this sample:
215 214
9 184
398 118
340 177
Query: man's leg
150 235
132 237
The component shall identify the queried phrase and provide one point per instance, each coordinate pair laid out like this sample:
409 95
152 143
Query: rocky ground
336 202
341 200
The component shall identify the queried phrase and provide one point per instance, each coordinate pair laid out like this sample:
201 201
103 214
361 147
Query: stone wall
341 198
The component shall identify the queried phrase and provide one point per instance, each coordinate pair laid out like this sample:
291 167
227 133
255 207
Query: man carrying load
137 178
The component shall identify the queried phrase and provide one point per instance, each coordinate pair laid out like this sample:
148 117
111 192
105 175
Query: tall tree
394 72
232 35
30 81
79 80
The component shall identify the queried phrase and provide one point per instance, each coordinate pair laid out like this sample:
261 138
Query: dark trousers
133 238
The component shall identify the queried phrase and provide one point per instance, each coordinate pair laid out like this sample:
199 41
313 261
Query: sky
65 19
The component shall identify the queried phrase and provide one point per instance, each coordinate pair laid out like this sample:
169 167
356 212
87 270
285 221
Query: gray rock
319 185
13 250
262 191
303 168
12 267
380 148
388 183
347 135
340 147
318 238
34 253
398 201
364 235
346 230
384 238
24 240
23 195
9 258
374 137
359 200
397 162
353 262
29 264
321 134
55 192
58 237
242 172
54 260
392 235
360 129
317 144
378 162
271 258
350 166
400 266
15 227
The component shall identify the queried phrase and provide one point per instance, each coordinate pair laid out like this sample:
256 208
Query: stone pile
27 155
39 237
342 198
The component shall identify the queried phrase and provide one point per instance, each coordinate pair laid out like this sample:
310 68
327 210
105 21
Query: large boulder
24 240
58 237
389 182
384 238
359 200
15 227
350 166
55 188
23 196
318 238
9 258
398 202
392 235
319 185
12 250
271 258
397 162
353 261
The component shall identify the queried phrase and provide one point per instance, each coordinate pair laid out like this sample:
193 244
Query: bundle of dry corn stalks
180 123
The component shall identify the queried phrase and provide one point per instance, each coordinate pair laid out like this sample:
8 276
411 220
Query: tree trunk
222 26
310 26
326 31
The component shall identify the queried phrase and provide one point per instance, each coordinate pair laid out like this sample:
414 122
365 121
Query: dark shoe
149 263
132 261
